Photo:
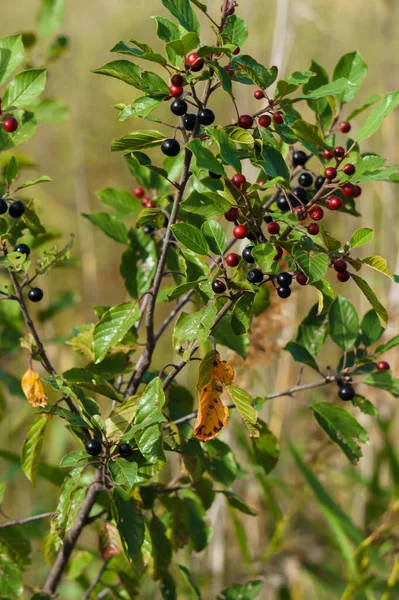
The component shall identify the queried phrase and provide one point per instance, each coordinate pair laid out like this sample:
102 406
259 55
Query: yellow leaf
212 415
32 387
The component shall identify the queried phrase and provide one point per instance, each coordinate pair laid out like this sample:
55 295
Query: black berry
299 194
346 392
93 447
214 175
3 206
189 121
35 294
170 147
247 254
17 209
206 116
299 158
284 292
148 229
255 276
284 280
319 182
305 179
125 450
219 286
251 236
179 107
282 204
23 249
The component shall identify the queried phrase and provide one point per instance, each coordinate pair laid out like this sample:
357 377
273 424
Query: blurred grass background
289 542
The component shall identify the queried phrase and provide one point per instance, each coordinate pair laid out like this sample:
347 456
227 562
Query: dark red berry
229 70
239 180
339 152
302 279
273 228
139 192
357 191
237 50
177 80
10 124
342 277
262 182
330 173
383 366
349 169
194 62
246 121
219 286
278 118
175 91
316 213
232 260
327 154
230 8
345 127
279 253
259 94
240 232
340 265
232 214
300 213
334 203
313 228
348 189
264 121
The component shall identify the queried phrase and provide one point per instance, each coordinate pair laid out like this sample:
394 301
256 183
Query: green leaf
361 237
240 135
149 437
130 523
11 55
242 313
139 263
292 83
200 531
245 406
371 328
113 327
11 585
227 147
191 237
383 380
365 406
187 43
248 591
235 31
138 140
239 504
312 262
215 237
143 51
353 68
24 88
30 454
54 475
123 472
325 295
344 323
123 202
313 331
330 89
377 115
73 458
42 179
184 288
308 133
301 355
182 11
162 549
110 225
205 158
207 205
273 163
91 381
388 345
264 256
372 298
378 263
342 428
254 71
357 111
265 448
50 16
121 417
193 328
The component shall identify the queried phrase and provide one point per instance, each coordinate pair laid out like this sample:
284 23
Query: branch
26 520
96 580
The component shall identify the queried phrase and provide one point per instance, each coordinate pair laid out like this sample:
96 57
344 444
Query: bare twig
96 580
26 520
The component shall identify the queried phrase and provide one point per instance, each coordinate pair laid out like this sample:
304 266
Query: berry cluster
94 448
15 208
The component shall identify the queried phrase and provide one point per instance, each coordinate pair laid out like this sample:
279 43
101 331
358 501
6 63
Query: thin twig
26 520
96 580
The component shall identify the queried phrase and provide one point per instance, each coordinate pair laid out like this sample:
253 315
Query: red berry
330 173
278 118
232 214
300 213
232 259
334 203
316 213
313 228
349 169
229 70
342 277
279 253
237 51
240 232
194 61
339 152
340 265
264 121
229 8
10 124
327 154
345 127
302 279
383 366
239 180
259 94
262 182
176 92
348 189
246 121
148 203
273 228
357 191
177 80
139 192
